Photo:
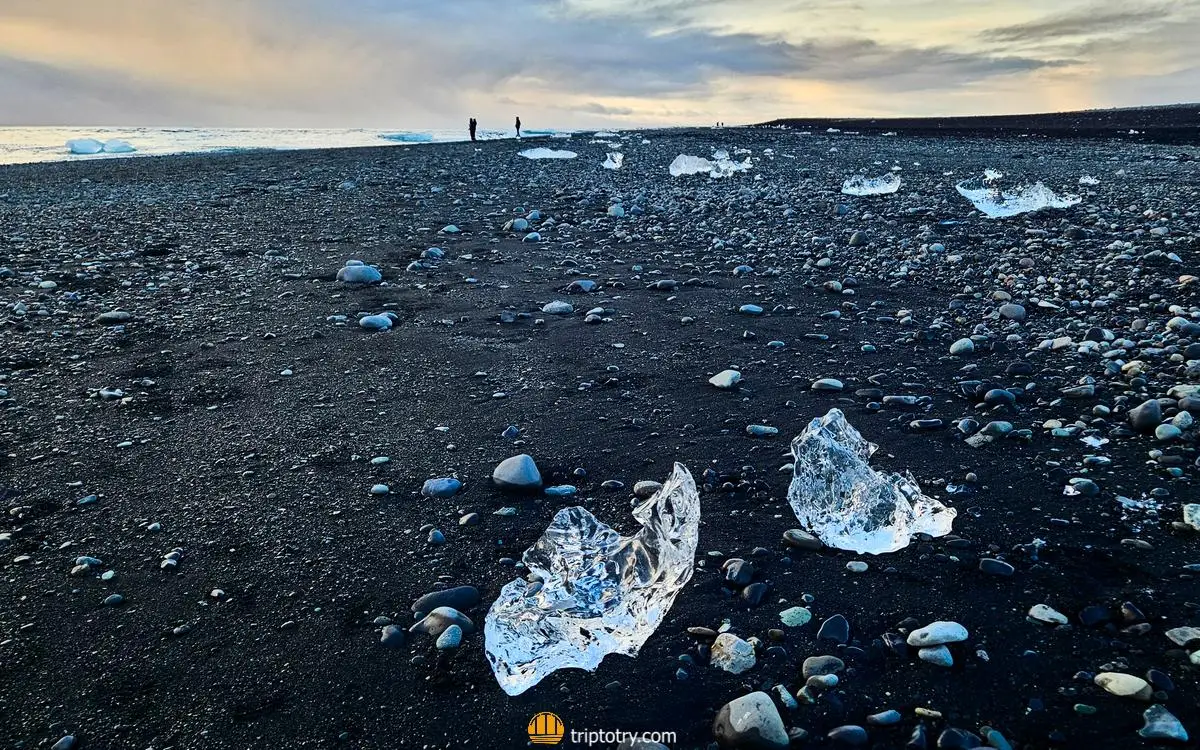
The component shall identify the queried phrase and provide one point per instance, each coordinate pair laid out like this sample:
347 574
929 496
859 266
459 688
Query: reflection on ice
849 505
592 592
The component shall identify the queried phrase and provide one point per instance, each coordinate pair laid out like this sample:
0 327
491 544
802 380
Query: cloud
1083 22
430 63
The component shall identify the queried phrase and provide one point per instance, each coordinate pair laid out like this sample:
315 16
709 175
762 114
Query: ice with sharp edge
592 592
863 185
719 166
996 203
614 161
843 501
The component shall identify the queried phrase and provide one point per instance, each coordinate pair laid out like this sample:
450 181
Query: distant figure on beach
518 126
472 127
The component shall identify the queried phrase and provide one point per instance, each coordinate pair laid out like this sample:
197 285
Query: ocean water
25 145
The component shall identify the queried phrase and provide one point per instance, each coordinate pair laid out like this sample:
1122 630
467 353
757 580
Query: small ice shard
615 160
849 505
84 146
118 146
995 203
863 185
592 592
726 379
1087 179
547 153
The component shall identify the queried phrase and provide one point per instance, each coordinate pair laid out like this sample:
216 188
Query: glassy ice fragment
863 185
592 592
995 203
849 505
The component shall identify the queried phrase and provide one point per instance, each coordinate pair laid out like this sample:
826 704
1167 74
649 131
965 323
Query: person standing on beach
518 126
472 127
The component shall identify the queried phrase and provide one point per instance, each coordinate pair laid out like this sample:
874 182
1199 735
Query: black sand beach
240 418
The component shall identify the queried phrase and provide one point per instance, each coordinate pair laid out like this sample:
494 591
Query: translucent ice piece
720 166
849 505
547 153
863 185
686 165
593 592
996 203
614 161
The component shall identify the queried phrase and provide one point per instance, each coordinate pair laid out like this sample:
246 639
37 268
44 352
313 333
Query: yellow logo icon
546 729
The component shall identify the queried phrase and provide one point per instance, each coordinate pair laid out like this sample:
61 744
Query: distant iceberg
408 137
863 185
118 146
85 146
547 153
995 203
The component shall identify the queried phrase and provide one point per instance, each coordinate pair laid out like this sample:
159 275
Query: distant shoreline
1178 123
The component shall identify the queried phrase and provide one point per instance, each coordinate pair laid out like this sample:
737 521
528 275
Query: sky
581 63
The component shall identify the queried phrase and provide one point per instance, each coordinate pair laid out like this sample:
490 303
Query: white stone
732 654
1125 685
1047 614
936 634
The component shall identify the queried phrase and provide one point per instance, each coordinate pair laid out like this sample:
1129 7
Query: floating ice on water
593 591
863 185
720 165
996 203
849 505
614 161
84 146
118 146
407 137
547 153
604 134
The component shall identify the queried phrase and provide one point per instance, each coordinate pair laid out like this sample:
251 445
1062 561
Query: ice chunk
863 185
849 505
118 146
593 592
720 165
1087 179
687 165
84 146
407 137
614 161
996 203
547 153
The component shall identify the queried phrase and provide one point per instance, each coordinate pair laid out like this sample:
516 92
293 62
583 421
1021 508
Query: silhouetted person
518 126
472 127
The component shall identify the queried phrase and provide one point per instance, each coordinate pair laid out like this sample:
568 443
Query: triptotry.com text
617 736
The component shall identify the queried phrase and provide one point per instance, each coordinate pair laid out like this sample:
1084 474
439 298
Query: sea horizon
39 144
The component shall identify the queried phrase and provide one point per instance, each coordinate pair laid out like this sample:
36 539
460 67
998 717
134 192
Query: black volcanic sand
227 266
1177 123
